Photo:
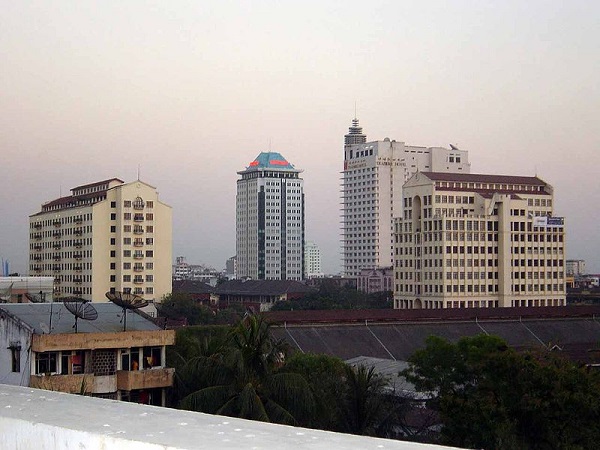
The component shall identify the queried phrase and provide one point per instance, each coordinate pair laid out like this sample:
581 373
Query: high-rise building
270 220
372 180
576 267
312 260
469 240
105 236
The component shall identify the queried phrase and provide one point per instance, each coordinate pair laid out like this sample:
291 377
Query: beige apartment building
469 240
105 236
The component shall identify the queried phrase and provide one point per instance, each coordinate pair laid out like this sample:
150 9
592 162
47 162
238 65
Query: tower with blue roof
270 219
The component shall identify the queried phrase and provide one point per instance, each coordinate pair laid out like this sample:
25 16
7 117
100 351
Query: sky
190 92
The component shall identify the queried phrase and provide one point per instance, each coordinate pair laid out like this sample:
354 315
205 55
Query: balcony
77 292
78 256
37 225
77 280
138 268
78 244
75 384
138 256
57 280
57 257
138 280
138 243
138 230
37 258
57 234
128 380
57 268
37 247
57 223
37 268
78 220
78 231
37 236
138 218
77 268
57 246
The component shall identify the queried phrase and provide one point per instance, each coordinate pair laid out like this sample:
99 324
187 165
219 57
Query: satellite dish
81 309
127 301
36 298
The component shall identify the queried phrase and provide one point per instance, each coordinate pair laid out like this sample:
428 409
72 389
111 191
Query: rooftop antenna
81 309
355 109
127 301
269 145
138 172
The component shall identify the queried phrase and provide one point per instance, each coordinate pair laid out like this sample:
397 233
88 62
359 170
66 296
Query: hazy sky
193 90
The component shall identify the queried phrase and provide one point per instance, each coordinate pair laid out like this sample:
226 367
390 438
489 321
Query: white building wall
372 180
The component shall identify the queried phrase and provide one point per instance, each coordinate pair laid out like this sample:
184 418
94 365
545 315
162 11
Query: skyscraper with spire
372 180
270 220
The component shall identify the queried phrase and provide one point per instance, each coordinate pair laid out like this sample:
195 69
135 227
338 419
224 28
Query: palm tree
364 400
241 378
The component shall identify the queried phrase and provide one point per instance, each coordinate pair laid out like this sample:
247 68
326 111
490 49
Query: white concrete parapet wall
45 420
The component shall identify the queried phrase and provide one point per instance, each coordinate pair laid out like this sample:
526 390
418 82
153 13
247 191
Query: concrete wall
12 333
32 419
95 341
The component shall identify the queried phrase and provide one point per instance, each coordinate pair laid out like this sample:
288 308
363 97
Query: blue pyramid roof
270 160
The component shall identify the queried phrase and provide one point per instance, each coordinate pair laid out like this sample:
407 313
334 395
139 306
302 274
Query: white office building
478 241
105 236
270 220
372 180
312 260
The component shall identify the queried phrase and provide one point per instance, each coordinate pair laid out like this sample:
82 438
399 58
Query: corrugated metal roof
110 318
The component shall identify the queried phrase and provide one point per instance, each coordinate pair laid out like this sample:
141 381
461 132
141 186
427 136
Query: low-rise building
376 280
17 289
258 295
42 345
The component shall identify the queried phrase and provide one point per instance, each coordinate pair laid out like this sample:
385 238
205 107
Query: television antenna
127 301
81 309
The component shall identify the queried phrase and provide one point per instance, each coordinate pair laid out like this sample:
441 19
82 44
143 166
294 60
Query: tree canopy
491 396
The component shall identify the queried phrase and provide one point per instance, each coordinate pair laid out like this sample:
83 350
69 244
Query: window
150 204
113 229
127 253
113 278
149 278
113 216
15 351
127 266
113 241
127 216
126 278
149 241
113 254
113 266
127 241
127 203
149 253
113 204
45 363
149 216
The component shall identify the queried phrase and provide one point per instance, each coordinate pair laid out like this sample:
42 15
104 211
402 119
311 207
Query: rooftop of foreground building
37 419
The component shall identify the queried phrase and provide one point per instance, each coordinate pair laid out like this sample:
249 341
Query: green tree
364 402
491 396
326 376
241 378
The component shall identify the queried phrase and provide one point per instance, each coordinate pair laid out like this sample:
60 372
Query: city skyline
172 93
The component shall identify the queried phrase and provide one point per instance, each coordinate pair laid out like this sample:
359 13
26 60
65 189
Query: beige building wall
119 239
478 241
